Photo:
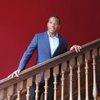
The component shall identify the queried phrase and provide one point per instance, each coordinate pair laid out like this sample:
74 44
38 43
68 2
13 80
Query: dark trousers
33 88
41 87
41 90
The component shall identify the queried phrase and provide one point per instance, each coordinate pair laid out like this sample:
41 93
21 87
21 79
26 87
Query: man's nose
53 25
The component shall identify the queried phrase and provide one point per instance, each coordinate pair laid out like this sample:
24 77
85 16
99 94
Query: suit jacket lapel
47 42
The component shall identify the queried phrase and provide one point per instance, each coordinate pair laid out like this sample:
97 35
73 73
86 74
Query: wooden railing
79 76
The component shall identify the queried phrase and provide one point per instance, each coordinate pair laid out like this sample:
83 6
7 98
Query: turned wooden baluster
71 93
1 94
46 78
71 64
63 69
19 88
94 75
55 74
37 82
79 61
87 57
28 85
10 91
79 90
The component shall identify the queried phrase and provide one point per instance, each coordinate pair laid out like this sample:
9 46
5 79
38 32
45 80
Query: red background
21 19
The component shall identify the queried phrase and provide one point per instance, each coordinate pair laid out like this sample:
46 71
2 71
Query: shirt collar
56 36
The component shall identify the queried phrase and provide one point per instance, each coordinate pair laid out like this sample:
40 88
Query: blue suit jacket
40 43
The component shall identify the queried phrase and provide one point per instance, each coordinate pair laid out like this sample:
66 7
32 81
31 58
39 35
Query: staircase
80 77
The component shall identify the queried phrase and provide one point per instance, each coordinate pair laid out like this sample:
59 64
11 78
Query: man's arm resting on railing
16 72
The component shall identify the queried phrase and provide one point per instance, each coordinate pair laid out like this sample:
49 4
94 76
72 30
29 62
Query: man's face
53 25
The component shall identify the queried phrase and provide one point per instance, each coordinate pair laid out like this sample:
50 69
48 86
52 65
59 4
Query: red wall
21 19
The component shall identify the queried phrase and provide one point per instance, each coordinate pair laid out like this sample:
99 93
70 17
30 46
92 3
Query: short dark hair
55 17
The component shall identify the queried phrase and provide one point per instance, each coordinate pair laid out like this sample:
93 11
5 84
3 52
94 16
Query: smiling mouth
52 29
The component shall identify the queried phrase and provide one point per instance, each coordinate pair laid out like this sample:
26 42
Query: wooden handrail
48 64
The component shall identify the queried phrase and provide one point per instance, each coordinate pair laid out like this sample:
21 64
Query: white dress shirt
54 43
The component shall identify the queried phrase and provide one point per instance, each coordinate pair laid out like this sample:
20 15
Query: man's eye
50 22
56 24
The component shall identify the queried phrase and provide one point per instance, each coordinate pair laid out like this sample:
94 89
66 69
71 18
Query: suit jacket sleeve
28 53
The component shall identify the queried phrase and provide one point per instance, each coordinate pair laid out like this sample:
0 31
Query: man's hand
15 73
76 48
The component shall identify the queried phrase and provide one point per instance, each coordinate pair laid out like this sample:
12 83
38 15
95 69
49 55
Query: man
47 44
